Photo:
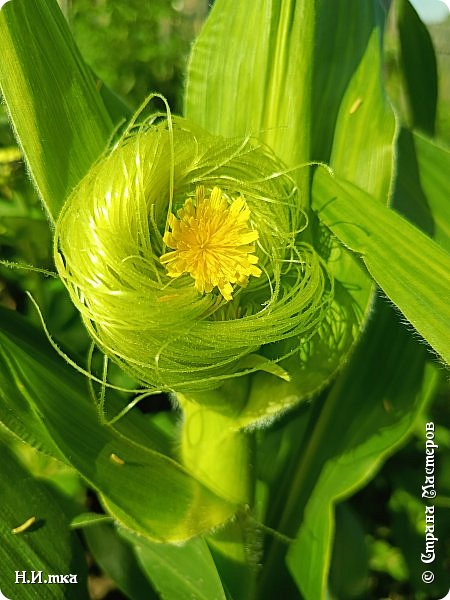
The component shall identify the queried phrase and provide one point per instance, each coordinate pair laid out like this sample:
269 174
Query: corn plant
272 263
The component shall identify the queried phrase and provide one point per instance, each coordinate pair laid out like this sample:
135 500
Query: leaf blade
175 509
186 571
57 112
258 68
434 165
417 277
354 437
47 545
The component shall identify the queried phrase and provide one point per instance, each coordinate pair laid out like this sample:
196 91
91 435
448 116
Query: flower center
212 241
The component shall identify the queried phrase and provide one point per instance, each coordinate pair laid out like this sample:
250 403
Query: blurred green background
138 46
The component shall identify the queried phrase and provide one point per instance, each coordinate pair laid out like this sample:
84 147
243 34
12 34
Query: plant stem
219 456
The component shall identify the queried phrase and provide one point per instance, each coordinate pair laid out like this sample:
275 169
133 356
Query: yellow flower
213 242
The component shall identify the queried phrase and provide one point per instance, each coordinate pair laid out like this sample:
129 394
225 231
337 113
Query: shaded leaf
117 560
47 545
434 165
418 67
349 572
162 502
186 571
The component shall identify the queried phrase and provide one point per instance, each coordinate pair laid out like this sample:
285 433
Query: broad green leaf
441 43
17 414
421 188
250 74
184 571
117 109
410 268
117 560
418 67
56 109
367 414
22 418
59 476
360 146
409 197
46 545
342 38
162 501
433 161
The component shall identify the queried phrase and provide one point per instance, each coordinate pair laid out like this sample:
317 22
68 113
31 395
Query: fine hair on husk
160 329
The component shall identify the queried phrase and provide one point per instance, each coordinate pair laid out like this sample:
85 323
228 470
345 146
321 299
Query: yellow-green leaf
57 111
410 267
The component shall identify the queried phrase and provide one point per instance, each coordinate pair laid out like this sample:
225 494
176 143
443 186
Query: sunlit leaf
256 80
409 266
57 111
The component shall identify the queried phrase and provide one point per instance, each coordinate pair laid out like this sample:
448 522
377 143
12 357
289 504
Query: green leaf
56 109
367 414
421 188
434 165
117 559
46 545
17 413
59 476
256 79
409 197
354 131
186 571
117 109
162 500
349 572
418 67
410 268
360 147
